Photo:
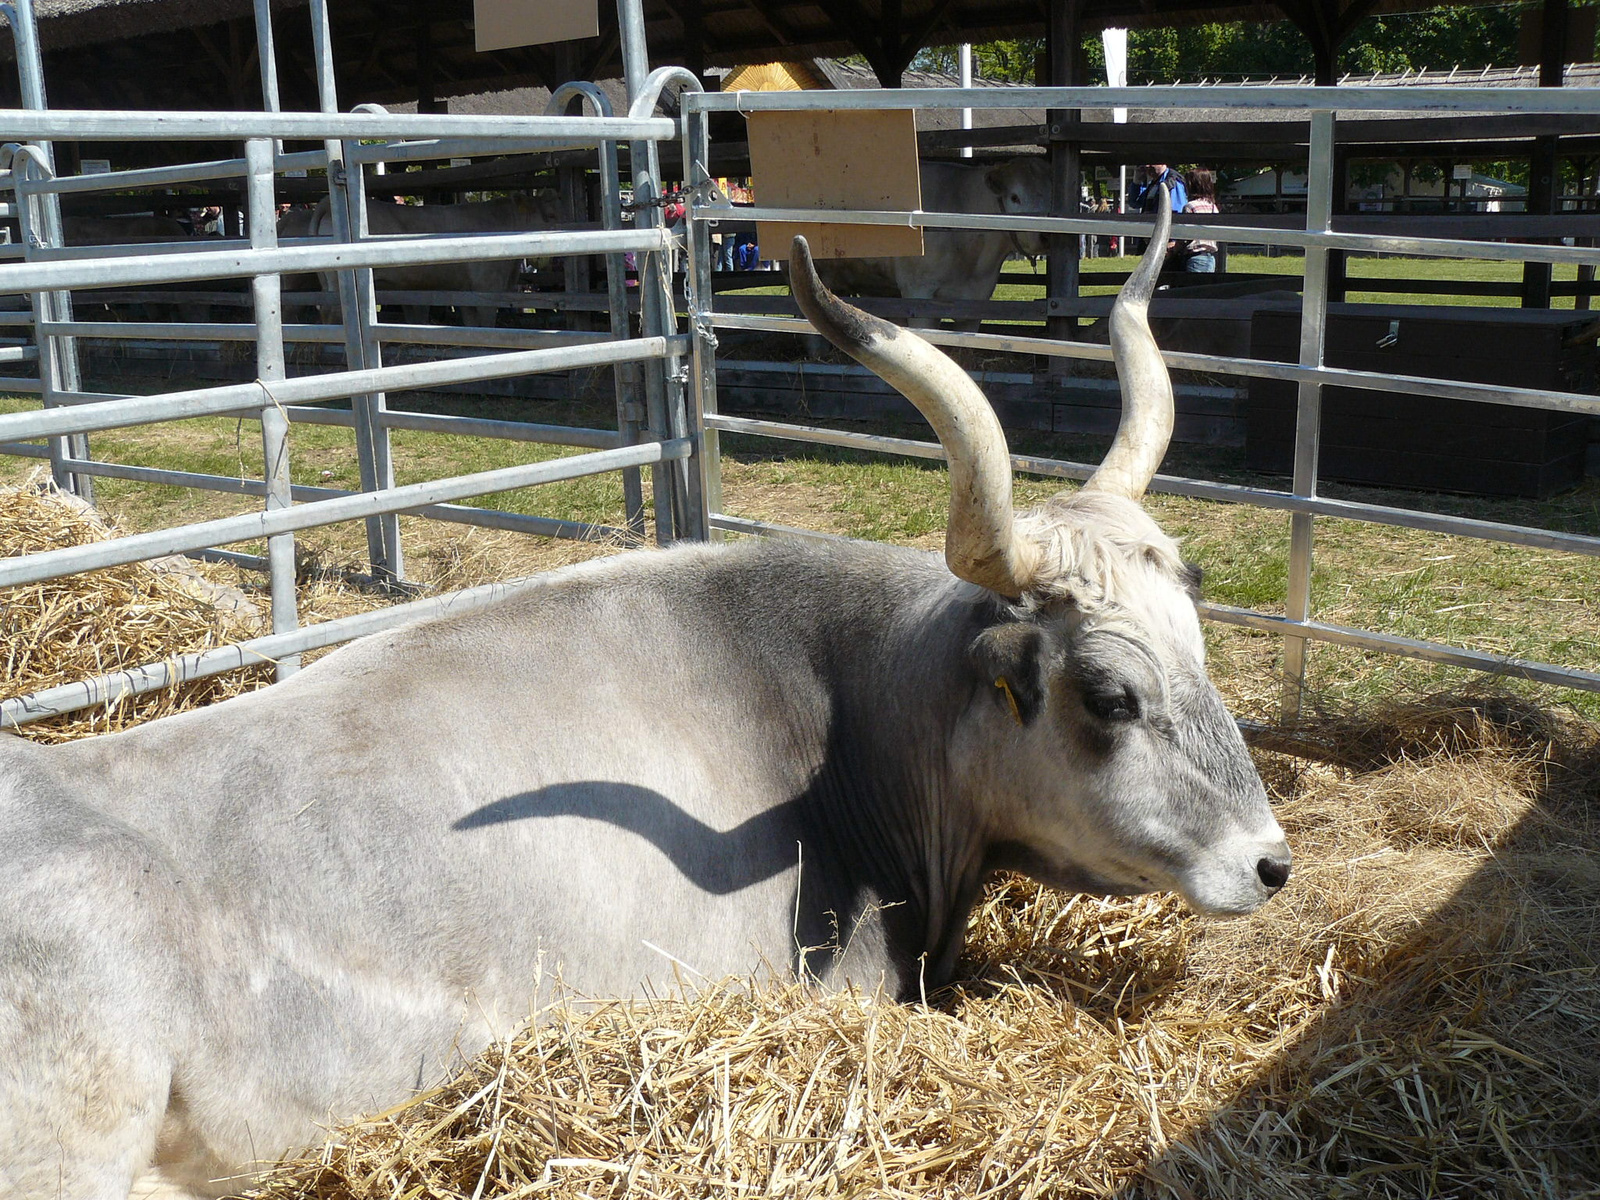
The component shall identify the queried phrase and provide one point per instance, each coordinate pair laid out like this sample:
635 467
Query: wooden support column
1062 35
1339 260
422 48
1544 167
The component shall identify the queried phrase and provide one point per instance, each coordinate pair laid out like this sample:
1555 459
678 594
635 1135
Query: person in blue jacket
1160 173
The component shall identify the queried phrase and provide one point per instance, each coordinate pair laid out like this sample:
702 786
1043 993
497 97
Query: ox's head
1108 757
1022 186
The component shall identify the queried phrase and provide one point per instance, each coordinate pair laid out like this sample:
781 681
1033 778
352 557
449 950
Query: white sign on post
501 24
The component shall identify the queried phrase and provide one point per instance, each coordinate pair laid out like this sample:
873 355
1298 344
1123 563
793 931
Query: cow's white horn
980 543
1147 409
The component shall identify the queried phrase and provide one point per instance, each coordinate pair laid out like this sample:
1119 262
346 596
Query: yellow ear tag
1005 687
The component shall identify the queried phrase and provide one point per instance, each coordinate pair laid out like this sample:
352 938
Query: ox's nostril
1274 872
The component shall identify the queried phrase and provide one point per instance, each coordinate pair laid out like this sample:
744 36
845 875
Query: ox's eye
1120 705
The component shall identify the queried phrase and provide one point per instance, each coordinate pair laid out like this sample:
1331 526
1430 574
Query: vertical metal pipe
265 290
267 55
1308 421
59 371
625 376
359 302
655 318
372 439
707 465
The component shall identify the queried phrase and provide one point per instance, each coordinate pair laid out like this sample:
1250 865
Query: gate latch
1392 338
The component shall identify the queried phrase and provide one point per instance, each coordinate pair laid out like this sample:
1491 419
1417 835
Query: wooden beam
1553 43
769 17
923 32
600 53
850 22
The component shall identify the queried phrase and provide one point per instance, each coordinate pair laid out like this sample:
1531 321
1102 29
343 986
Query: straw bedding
1418 1014
70 629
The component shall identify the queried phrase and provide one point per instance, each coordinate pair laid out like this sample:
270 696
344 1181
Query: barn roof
200 54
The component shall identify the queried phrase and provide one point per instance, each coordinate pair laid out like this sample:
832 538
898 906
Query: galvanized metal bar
625 377
267 64
39 220
143 177
655 316
1433 652
262 213
1416 385
1348 100
1433 247
540 133
347 202
1320 177
487 518
516 431
699 301
240 264
418 335
1229 493
51 564
72 697
120 413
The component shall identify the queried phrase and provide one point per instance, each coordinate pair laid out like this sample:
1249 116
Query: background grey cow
223 928
954 265
121 231
509 214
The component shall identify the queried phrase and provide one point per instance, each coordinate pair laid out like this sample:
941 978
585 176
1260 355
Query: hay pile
75 628
1417 1015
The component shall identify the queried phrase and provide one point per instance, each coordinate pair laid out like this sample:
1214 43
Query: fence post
1308 420
707 477
625 376
59 371
663 384
266 292
355 301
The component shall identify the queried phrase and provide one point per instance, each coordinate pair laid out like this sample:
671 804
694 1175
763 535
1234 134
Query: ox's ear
1194 577
1009 660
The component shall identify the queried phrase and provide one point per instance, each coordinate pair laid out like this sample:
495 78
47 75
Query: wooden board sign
501 24
836 160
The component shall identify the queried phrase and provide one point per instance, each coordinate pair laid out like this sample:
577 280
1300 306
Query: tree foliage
1437 39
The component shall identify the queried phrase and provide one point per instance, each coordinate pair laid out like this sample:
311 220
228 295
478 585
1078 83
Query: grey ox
509 214
954 265
223 929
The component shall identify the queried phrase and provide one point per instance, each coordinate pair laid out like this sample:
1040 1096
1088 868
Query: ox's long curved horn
1147 410
980 544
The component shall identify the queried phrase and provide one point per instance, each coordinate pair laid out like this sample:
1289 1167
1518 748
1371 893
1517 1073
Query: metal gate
652 421
1320 107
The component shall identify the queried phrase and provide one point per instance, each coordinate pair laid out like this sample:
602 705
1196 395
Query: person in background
1160 173
1202 254
1157 176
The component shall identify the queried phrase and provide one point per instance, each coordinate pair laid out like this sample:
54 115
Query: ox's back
329 891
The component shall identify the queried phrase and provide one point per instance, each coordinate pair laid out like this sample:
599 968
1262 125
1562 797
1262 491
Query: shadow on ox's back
226 928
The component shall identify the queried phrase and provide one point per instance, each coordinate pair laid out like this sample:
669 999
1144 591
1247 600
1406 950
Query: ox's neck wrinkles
888 630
